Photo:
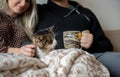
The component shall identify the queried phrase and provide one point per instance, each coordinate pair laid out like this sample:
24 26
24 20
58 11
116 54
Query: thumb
85 31
30 46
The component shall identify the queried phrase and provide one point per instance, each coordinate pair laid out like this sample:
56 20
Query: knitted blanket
58 63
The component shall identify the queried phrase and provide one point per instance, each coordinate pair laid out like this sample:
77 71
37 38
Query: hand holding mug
86 39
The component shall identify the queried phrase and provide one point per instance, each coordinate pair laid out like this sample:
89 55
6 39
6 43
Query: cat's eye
40 37
50 41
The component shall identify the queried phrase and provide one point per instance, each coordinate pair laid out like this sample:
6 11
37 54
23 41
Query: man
70 16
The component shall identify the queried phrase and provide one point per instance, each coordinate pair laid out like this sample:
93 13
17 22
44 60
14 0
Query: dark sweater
76 18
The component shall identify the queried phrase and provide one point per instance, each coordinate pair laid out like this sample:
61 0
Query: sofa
114 37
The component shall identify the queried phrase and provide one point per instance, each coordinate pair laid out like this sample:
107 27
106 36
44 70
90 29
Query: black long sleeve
77 19
101 43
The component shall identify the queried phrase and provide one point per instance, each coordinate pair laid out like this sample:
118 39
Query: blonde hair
27 20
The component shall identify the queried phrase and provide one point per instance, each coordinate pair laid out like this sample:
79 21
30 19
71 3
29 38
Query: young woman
17 19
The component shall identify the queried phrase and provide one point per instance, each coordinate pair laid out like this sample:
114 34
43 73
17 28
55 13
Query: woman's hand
86 39
28 50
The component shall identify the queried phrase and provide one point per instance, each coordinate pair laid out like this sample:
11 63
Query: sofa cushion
114 37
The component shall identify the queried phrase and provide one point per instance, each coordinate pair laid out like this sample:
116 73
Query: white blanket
58 63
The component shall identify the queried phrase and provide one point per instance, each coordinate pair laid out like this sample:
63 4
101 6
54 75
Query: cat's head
45 39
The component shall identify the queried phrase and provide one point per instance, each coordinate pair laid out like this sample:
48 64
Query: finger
83 42
29 50
87 39
87 36
30 53
33 53
85 46
26 53
86 43
85 31
30 46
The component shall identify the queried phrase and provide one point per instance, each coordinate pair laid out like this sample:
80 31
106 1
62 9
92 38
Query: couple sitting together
47 26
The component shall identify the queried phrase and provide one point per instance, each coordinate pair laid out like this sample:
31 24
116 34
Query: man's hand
86 39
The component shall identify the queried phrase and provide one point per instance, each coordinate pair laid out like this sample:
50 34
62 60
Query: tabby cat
44 41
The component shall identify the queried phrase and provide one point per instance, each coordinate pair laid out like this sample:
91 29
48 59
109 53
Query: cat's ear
51 28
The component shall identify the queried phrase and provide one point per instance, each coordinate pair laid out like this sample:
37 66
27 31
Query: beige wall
107 11
42 1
